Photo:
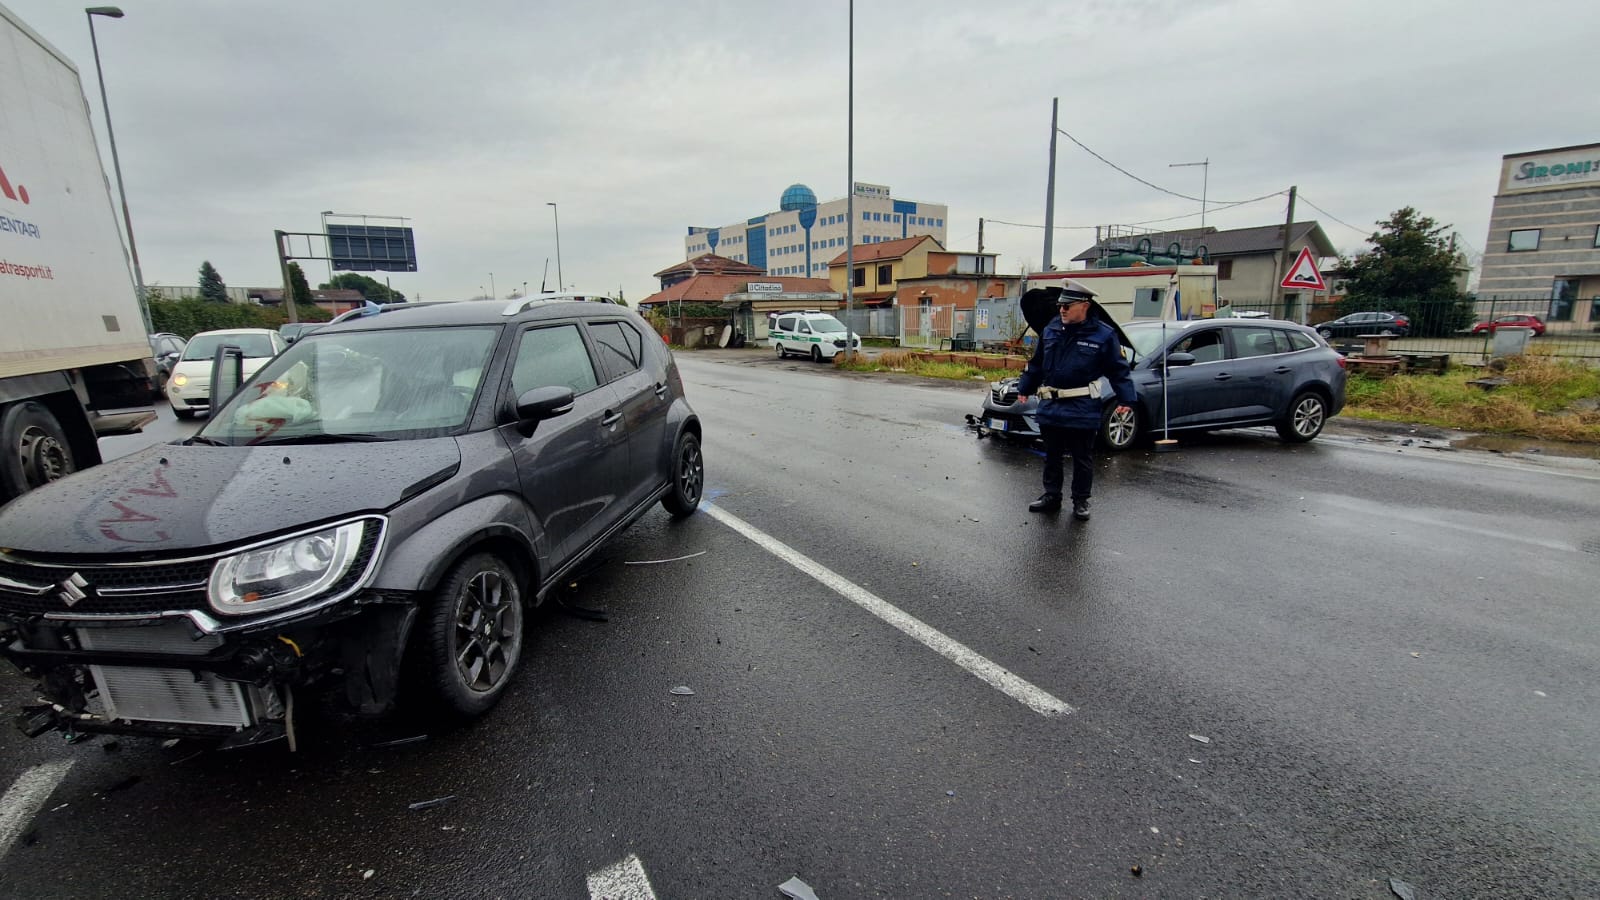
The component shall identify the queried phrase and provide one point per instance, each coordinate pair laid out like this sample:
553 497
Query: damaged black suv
378 507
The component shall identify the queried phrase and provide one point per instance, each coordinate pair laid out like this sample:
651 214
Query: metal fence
884 323
929 327
1466 330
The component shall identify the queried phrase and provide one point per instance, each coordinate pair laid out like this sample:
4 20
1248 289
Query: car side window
1248 342
786 324
1205 346
618 355
1297 340
805 327
552 356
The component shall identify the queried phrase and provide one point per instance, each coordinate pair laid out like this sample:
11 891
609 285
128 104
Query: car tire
470 643
688 477
816 354
1326 333
1120 431
184 414
782 353
34 450
1307 413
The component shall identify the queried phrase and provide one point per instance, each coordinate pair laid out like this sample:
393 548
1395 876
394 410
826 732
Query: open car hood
1039 307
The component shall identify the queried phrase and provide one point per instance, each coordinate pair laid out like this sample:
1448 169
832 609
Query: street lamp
560 283
112 12
1205 178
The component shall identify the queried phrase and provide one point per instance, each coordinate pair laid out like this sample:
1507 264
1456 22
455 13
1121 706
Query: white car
189 386
810 333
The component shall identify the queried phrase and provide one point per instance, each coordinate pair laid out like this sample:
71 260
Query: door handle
1283 370
661 389
611 417
1223 377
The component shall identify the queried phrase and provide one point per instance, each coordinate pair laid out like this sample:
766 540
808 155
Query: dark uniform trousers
1080 443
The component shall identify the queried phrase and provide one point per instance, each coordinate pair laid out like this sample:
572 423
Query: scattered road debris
795 889
367 875
1402 890
683 691
399 742
1200 737
1138 871
657 562
430 804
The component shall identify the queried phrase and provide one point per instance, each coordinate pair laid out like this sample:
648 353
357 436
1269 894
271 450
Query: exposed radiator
175 637
170 695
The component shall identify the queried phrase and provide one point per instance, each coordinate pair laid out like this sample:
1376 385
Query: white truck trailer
75 359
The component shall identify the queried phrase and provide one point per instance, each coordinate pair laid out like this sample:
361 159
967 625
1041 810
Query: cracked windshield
630 451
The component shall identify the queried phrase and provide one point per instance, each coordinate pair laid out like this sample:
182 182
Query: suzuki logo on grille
72 589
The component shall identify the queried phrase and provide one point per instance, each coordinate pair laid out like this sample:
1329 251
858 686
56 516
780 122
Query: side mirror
169 357
544 403
227 375
1180 359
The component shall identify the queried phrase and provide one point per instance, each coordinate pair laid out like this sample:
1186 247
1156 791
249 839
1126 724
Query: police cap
1073 292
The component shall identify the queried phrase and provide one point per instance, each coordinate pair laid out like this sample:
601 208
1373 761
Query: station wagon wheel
688 477
1306 416
473 636
1121 429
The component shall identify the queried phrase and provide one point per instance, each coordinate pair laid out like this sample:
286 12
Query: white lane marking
625 880
31 789
990 673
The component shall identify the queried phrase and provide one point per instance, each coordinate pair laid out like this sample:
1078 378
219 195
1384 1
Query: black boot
1080 509
1046 503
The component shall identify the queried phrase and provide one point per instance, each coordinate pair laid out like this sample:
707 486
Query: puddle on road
1497 443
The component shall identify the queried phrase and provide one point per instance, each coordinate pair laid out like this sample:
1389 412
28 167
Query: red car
1512 321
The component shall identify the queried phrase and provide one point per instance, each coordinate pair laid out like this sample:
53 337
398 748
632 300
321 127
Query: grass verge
1538 400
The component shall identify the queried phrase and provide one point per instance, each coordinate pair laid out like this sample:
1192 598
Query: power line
1147 184
1146 221
1362 231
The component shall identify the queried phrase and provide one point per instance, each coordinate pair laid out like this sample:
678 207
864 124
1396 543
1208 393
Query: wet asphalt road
1392 652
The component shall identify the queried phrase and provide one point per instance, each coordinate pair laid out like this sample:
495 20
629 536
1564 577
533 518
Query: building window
861 278
897 217
885 275
1523 239
1562 299
1224 269
1597 236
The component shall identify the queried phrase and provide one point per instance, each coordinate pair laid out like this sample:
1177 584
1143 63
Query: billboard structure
372 248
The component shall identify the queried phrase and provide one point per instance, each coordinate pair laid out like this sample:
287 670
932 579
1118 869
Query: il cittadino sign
1551 169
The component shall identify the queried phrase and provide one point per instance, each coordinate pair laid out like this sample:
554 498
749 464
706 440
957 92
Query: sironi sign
1536 171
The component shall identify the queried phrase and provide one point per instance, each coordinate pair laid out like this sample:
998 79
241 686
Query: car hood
173 498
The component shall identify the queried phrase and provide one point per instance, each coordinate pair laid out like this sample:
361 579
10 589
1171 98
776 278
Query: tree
299 287
369 288
1410 269
211 285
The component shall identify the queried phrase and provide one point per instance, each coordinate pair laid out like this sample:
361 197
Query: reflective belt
1054 393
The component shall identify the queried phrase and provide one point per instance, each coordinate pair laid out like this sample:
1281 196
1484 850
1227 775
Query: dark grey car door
642 398
571 466
1262 374
1199 394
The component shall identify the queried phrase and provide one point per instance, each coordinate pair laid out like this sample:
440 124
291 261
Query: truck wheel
36 451
471 638
688 477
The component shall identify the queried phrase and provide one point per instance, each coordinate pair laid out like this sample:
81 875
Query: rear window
1299 340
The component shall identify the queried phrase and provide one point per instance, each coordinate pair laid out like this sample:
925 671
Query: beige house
879 268
1249 261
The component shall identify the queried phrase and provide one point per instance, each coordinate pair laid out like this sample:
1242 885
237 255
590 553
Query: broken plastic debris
1154 830
399 742
1540 694
169 743
1416 655
430 804
949 793
1200 737
795 889
655 562
1137 871
368 874
1402 890
1195 761
683 691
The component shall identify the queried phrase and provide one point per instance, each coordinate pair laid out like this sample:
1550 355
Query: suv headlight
285 573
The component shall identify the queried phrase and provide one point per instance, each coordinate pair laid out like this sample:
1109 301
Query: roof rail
523 303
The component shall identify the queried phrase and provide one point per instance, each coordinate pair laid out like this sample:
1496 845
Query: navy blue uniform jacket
1071 356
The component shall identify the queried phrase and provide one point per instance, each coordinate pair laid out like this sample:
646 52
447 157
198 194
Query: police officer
1073 353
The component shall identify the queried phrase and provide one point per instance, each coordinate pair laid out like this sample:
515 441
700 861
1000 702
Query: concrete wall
1567 221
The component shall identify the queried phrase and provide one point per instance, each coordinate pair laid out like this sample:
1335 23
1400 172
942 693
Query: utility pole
1050 189
289 306
980 235
850 198
1281 270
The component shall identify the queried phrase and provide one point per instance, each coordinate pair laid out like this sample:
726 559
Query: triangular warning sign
1303 275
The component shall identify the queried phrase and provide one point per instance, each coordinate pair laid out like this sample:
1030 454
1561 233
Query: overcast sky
642 118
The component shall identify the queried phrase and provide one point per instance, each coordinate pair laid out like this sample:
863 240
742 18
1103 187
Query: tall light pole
492 294
1205 180
850 185
112 12
561 284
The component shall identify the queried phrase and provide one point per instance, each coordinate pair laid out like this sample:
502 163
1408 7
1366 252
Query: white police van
809 332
